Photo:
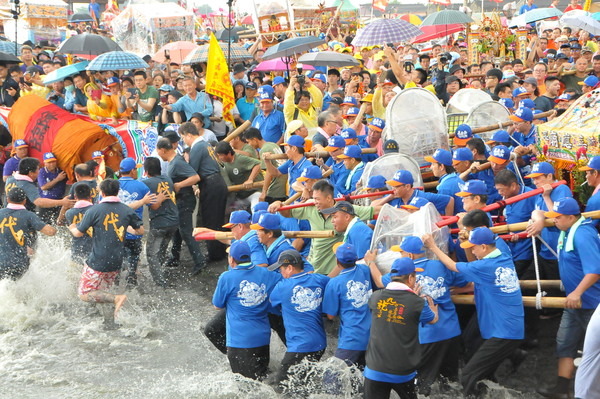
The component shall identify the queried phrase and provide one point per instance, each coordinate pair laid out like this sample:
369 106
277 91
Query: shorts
571 331
92 280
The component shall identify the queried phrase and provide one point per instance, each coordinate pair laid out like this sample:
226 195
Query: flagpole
229 4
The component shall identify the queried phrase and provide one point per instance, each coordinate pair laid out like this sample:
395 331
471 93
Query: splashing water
53 345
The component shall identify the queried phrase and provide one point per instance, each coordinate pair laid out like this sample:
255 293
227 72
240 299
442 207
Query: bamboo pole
497 126
240 187
227 235
544 283
316 154
529 301
506 228
239 130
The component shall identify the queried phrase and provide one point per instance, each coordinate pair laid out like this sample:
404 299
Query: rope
540 293
547 246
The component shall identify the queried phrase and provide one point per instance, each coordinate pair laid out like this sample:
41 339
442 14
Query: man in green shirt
240 170
144 100
321 256
274 188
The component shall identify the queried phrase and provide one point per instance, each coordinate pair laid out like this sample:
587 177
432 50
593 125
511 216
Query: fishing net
417 121
393 224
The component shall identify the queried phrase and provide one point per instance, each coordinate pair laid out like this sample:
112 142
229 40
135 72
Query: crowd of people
398 327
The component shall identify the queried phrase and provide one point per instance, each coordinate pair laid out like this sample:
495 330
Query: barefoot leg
119 301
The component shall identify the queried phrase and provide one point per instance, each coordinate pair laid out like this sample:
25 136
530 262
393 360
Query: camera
301 78
445 57
408 66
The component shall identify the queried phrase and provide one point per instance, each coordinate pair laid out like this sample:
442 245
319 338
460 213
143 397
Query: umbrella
447 17
247 20
9 58
117 60
411 18
177 50
81 17
596 16
386 31
436 31
88 43
200 54
290 47
9 47
583 22
61 73
222 35
346 5
534 15
278 64
330 59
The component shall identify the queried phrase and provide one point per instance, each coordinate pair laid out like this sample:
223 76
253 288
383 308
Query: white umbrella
583 22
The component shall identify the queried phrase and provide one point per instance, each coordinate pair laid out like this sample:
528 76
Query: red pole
505 202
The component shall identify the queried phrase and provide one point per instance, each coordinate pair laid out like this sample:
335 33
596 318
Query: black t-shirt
80 246
15 225
95 193
179 170
167 214
543 103
31 191
110 221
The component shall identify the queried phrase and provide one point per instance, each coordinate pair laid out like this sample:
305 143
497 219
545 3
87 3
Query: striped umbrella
200 54
411 18
115 61
386 31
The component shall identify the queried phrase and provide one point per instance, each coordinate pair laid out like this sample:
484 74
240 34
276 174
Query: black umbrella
81 17
222 35
88 43
290 47
8 58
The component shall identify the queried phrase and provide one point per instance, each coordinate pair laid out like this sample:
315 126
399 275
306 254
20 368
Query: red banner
43 126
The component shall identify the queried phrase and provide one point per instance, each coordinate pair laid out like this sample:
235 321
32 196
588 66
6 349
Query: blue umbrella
293 46
384 31
61 73
117 60
531 16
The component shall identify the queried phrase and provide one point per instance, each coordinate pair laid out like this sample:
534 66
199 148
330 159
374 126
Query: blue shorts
571 332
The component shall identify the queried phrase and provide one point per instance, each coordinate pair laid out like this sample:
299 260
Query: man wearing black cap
239 73
299 296
355 231
15 224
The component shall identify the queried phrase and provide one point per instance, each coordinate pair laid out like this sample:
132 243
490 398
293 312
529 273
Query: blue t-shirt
55 192
347 295
459 252
246 109
440 201
449 185
293 224
339 175
277 247
359 235
524 8
498 297
550 234
573 265
244 293
132 190
348 185
11 165
593 204
520 212
293 171
363 143
487 176
271 126
300 298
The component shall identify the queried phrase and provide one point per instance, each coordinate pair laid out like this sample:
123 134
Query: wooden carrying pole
240 187
506 124
532 284
506 228
318 154
238 130
529 301
227 235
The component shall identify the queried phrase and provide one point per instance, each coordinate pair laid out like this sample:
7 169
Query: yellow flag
218 82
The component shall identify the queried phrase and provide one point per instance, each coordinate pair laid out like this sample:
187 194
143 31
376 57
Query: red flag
380 5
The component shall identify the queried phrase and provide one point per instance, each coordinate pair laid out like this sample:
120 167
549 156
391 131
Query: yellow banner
218 82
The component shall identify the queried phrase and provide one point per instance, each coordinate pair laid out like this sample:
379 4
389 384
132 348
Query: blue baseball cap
128 164
377 124
345 253
260 206
472 187
295 141
527 103
415 203
500 136
500 154
312 172
401 177
539 169
507 102
335 143
404 266
352 111
256 215
564 206
113 80
349 100
590 81
440 156
563 97
593 164
319 76
348 134
265 96
240 251
268 221
266 89
352 151
49 157
462 134
479 236
522 115
278 80
410 244
461 154
238 217
19 143
97 154
376 182
520 91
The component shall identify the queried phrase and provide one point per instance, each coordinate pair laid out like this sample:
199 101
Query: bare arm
48 230
190 181
445 259
75 231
